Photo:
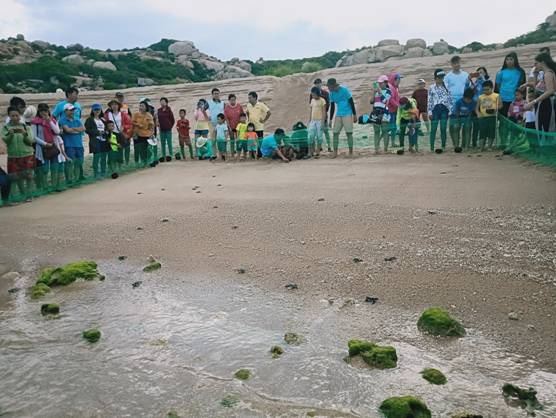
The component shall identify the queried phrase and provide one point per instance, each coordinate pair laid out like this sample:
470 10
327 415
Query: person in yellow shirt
241 140
488 105
316 122
143 129
258 113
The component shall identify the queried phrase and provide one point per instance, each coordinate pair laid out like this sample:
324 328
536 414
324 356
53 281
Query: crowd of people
46 148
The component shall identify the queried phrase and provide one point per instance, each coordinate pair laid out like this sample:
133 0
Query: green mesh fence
509 138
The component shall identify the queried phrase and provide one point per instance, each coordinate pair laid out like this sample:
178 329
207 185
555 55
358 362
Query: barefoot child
252 138
487 107
21 154
241 137
316 121
464 114
116 154
222 136
183 133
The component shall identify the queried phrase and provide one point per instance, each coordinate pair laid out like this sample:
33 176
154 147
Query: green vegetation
229 401
276 351
540 35
281 68
92 335
436 377
152 266
437 321
526 397
62 276
50 309
380 357
172 414
242 374
293 339
405 407
39 290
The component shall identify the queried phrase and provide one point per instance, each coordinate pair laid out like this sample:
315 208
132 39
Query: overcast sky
269 29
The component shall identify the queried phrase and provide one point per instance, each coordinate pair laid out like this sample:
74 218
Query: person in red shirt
232 112
421 96
183 134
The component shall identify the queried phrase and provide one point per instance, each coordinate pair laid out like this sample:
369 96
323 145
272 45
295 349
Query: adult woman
122 125
545 104
508 80
98 146
440 103
394 80
143 129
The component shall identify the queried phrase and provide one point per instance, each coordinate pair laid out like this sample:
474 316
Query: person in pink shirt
517 107
394 80
232 112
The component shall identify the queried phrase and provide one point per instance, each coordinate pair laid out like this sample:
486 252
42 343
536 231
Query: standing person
215 107
407 120
545 104
98 146
257 113
115 153
232 111
516 113
124 107
21 156
487 107
325 94
380 115
535 78
252 138
165 119
5 187
71 98
72 134
122 126
342 112
455 82
394 80
183 128
465 115
421 96
475 82
439 104
202 119
143 129
221 130
317 119
241 140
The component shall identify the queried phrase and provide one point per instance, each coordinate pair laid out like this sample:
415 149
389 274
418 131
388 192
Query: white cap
69 106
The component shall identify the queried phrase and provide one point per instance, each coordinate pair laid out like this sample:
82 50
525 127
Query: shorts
487 127
222 146
75 153
202 132
345 122
252 145
185 141
241 145
21 167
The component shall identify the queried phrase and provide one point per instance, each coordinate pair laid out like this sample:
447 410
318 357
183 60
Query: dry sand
475 235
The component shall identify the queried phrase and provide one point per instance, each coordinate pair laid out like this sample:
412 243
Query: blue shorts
75 153
203 132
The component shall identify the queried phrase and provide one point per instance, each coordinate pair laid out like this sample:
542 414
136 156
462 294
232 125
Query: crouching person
270 146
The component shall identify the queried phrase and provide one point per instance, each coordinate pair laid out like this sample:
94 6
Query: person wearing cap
394 80
72 134
325 94
122 126
343 113
380 115
438 107
143 130
71 98
98 146
421 96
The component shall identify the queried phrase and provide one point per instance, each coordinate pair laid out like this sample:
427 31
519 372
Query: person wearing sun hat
342 112
438 107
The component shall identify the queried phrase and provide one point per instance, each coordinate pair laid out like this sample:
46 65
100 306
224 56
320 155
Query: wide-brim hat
201 142
152 141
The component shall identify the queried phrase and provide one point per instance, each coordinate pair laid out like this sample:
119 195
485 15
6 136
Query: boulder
92 335
405 406
12 275
41 44
551 20
20 37
75 47
211 65
467 50
244 65
182 48
384 52
388 42
360 57
105 65
74 59
437 321
427 53
414 52
195 55
434 376
68 273
184 61
232 71
498 46
416 43
440 48
380 357
142 82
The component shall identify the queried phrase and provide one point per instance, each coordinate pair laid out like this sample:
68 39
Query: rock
232 71
12 275
414 52
384 52
291 286
381 357
437 321
292 338
427 53
432 212
211 65
185 61
235 227
551 20
405 406
436 377
241 270
135 285
75 47
182 48
357 260
466 415
92 335
440 48
371 299
139 228
229 401
388 42
498 46
4 268
242 374
165 220
244 65
467 50
320 199
416 43
105 65
41 44
276 351
390 259
152 266
122 257
143 82
526 397
74 59
13 290
50 309
20 37
68 273
172 414
195 55
513 316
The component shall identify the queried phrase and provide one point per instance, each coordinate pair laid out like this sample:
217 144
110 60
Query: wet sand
474 235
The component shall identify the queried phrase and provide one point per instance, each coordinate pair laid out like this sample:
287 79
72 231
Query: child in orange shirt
252 139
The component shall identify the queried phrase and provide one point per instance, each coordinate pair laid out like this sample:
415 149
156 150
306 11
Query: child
241 139
517 108
183 133
487 107
529 118
221 131
464 113
407 120
204 149
115 156
317 119
45 131
94 126
21 155
380 116
252 138
421 96
270 148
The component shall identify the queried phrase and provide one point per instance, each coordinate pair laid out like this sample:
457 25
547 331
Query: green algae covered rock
436 377
527 397
152 266
437 321
358 346
466 415
292 338
381 357
68 273
172 414
92 335
276 351
39 290
242 374
50 309
405 407
229 401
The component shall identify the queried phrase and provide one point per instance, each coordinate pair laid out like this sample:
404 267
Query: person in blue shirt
215 107
270 148
72 134
71 98
464 112
342 111
455 82
508 80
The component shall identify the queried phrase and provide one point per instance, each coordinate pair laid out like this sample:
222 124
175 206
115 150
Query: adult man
325 94
72 134
71 98
455 82
270 146
257 113
342 112
166 121
216 107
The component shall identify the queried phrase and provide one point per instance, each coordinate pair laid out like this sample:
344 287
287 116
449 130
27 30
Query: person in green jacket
407 121
21 154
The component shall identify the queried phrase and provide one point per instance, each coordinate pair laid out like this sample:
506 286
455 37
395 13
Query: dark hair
13 109
119 94
544 50
42 107
164 98
111 102
488 83
182 110
511 55
17 102
279 131
109 122
214 90
469 93
242 115
221 116
317 91
546 59
101 114
232 96
317 81
455 59
520 91
486 72
250 125
253 94
71 90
